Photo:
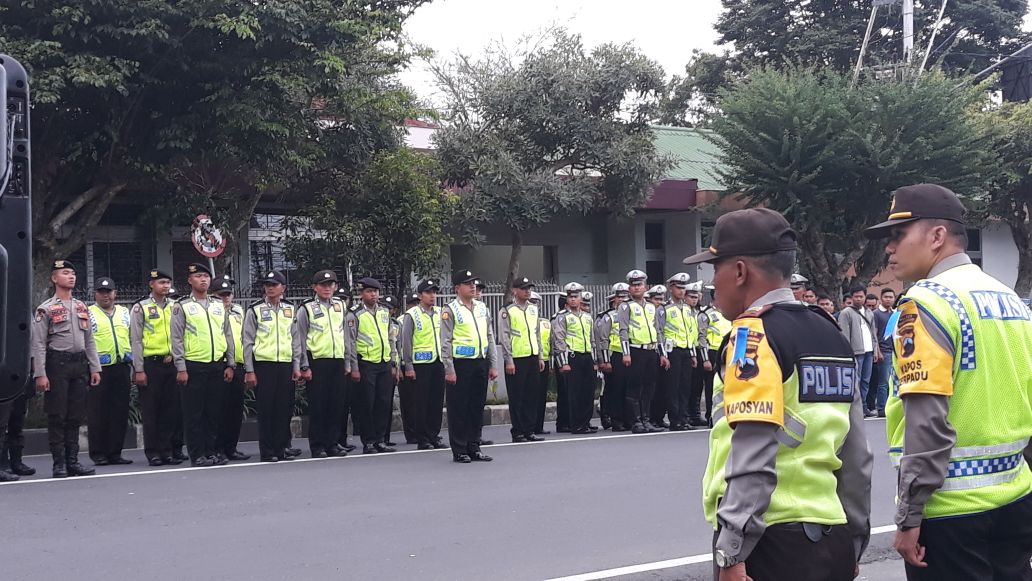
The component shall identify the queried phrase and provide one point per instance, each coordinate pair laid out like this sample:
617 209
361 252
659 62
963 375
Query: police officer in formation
421 361
406 387
713 327
609 358
268 366
572 333
371 356
65 363
202 340
154 373
788 479
959 417
107 406
319 359
233 400
467 337
641 343
519 338
681 328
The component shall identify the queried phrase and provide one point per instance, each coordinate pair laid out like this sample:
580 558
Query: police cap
919 202
748 232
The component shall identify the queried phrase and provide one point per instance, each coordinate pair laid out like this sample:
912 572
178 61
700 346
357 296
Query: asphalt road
564 507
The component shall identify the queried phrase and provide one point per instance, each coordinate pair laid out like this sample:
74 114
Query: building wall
999 254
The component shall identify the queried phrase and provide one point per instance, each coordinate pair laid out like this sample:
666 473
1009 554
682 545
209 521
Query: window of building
122 261
654 236
655 271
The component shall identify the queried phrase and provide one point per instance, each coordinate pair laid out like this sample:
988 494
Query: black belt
581 354
649 347
157 358
65 356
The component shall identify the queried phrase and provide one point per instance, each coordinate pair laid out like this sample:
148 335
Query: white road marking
667 564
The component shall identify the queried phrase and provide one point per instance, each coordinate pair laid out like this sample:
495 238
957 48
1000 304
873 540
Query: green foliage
828 156
1009 189
553 129
690 100
216 101
393 219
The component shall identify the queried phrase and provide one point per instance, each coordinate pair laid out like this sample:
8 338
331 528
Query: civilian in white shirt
858 326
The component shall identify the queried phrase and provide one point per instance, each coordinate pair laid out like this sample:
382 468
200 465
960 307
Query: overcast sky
665 30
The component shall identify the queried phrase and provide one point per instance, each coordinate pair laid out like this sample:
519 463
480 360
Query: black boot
58 454
17 466
72 459
5 473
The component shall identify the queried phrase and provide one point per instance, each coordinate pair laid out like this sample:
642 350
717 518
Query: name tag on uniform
266 314
826 381
423 355
105 359
317 312
465 351
84 320
336 308
152 312
288 312
58 314
191 308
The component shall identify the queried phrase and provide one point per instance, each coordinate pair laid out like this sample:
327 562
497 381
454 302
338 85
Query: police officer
692 296
788 423
202 341
562 396
64 360
658 408
959 416
371 355
421 360
268 365
641 343
519 337
681 329
609 358
107 405
467 341
572 336
406 386
318 348
713 327
233 402
798 285
154 373
540 392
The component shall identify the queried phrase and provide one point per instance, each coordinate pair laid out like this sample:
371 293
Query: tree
134 97
393 220
828 33
1009 195
829 155
552 129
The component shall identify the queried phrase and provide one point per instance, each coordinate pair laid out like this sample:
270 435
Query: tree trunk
1021 231
514 263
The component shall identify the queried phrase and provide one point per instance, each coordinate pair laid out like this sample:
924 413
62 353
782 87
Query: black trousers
613 399
641 382
786 552
580 389
107 412
325 395
540 397
160 407
389 413
407 405
521 388
702 384
65 403
202 407
658 406
466 401
372 401
232 413
427 402
347 397
677 382
12 425
274 400
991 545
562 402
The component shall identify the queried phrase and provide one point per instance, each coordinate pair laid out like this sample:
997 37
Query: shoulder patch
924 352
753 388
176 309
445 314
137 308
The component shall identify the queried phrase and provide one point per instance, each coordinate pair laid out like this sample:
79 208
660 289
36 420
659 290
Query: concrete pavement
568 506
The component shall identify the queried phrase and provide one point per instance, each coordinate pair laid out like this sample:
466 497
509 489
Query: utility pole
867 40
908 31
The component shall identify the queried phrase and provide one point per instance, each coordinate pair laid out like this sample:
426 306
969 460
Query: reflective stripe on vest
203 338
546 338
615 345
111 334
578 332
426 335
521 321
325 329
374 335
272 342
643 324
469 338
681 328
157 334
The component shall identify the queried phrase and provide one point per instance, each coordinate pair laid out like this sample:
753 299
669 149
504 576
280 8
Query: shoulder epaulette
254 304
309 300
755 312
